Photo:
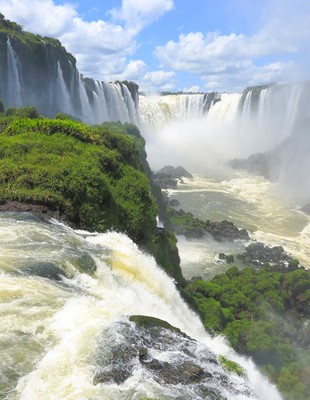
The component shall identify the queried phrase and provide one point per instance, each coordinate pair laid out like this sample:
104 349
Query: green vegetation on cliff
94 177
265 315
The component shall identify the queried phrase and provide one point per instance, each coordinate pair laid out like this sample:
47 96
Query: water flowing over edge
62 318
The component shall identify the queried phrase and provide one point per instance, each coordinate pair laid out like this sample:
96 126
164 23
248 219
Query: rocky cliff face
38 71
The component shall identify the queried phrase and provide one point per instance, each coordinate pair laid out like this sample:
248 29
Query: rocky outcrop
258 254
167 356
175 172
184 223
259 164
226 230
169 176
42 211
306 209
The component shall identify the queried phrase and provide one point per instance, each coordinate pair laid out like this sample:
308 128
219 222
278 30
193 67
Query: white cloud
105 48
131 70
158 81
159 77
40 16
138 13
101 47
232 59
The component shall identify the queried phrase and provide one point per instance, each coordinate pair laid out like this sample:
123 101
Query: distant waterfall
157 111
273 113
101 101
226 109
51 82
232 125
13 77
270 112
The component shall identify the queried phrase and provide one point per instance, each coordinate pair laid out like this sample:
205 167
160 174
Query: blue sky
177 45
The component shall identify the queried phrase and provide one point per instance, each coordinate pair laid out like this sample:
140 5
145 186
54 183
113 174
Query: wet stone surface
164 355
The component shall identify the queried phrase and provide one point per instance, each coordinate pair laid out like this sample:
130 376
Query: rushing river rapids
250 202
65 294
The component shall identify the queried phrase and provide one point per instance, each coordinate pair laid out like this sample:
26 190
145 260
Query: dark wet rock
175 172
185 373
43 212
174 203
165 181
228 258
258 254
306 209
258 164
225 230
165 354
45 270
85 263
169 176
184 223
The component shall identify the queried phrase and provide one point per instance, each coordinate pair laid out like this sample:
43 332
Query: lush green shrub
96 178
24 112
256 310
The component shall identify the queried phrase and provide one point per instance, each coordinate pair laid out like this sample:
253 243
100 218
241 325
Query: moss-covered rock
155 349
232 366
146 322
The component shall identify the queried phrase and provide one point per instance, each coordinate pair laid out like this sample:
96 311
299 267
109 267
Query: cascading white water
110 102
246 109
91 101
13 77
130 105
62 93
61 290
157 111
225 110
271 114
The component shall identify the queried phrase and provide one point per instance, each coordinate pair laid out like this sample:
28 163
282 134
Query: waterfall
226 109
158 111
272 112
14 78
53 84
65 300
62 94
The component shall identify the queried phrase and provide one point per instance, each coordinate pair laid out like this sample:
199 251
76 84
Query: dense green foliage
264 314
47 161
9 25
95 177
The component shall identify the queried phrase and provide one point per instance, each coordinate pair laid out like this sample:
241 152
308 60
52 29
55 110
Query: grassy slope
95 177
